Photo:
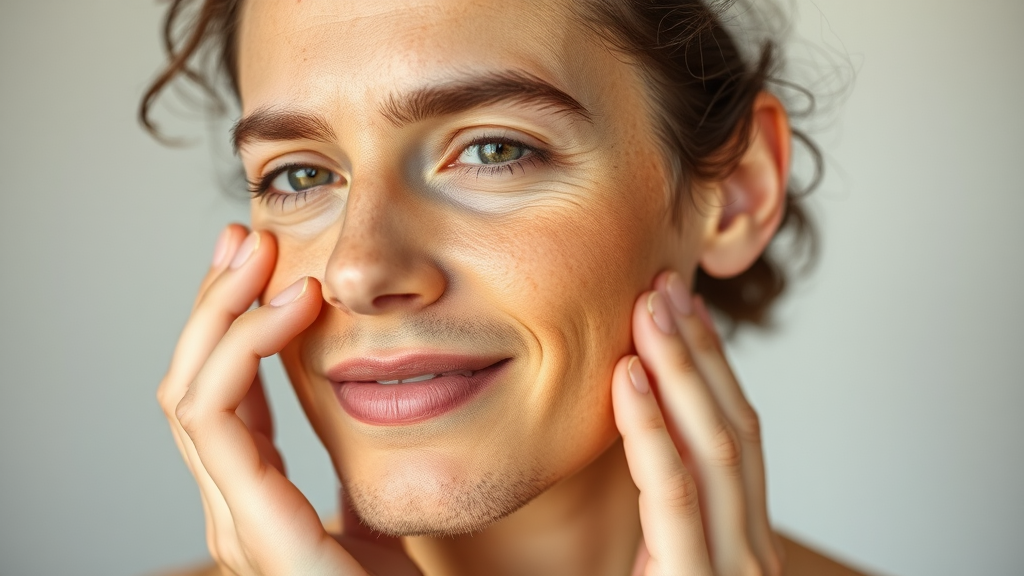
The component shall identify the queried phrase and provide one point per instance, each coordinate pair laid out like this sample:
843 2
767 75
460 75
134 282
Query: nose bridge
378 264
367 231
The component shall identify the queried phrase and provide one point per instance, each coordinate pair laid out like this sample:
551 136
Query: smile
426 377
411 388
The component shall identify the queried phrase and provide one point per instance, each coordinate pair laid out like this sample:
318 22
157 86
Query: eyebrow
477 91
269 124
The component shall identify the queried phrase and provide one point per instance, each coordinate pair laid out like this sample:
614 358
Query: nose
381 262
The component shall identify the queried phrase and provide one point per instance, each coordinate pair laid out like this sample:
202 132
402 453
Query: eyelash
260 189
533 156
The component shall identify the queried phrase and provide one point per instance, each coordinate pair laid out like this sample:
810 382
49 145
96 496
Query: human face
477 187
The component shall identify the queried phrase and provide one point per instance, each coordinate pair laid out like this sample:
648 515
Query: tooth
419 378
458 373
427 377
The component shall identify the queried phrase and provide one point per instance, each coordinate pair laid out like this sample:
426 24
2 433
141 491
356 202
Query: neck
587 524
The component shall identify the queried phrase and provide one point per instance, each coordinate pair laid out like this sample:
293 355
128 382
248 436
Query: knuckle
244 321
725 447
185 413
243 329
653 422
684 361
238 323
680 493
748 424
165 397
704 342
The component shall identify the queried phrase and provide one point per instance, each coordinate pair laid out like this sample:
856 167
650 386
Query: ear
750 202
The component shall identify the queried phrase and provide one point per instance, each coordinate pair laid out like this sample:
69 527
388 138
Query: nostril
388 301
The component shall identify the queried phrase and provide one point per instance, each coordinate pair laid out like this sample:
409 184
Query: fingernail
660 313
678 294
291 293
638 376
220 251
251 243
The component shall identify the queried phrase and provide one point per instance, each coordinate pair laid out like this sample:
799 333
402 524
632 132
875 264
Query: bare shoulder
800 561
804 561
209 569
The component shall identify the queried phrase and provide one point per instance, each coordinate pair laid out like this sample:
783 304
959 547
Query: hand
693 445
257 522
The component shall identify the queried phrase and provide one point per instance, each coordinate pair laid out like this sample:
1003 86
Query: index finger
228 295
670 514
281 525
228 241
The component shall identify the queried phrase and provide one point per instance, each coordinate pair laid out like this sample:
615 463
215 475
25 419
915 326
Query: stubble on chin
447 507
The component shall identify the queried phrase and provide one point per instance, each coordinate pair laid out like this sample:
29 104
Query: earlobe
750 201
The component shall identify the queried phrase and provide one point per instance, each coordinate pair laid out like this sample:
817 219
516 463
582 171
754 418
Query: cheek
583 268
569 276
299 252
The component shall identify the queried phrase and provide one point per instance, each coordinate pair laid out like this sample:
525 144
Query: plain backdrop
891 393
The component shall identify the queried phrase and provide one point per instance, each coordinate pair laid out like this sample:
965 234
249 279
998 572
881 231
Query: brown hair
702 86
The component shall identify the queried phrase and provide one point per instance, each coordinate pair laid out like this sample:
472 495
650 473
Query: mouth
411 388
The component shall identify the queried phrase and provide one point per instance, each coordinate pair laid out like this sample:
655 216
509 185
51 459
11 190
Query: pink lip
362 397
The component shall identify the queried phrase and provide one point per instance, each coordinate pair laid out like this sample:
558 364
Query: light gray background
891 398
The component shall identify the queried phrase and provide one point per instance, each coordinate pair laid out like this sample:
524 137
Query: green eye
492 153
302 178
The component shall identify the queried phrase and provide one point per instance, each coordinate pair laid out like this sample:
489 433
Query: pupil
303 178
498 152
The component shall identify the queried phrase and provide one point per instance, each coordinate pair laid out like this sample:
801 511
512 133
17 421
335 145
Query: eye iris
305 178
498 152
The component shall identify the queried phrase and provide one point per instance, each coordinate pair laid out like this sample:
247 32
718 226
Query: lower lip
392 404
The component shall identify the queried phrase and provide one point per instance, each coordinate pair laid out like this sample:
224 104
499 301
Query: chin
436 506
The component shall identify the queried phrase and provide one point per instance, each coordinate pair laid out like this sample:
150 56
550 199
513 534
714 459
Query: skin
618 427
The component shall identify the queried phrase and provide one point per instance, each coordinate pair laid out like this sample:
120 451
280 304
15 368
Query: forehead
312 50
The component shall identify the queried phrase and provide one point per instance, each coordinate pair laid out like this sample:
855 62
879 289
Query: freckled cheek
297 258
572 279
305 240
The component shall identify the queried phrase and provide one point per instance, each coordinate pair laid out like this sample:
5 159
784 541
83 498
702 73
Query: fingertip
314 287
661 280
620 373
643 320
655 331
220 249
632 398
622 387
638 376
256 250
228 241
313 293
302 300
291 294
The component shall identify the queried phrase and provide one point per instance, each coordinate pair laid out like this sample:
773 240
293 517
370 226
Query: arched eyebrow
480 90
467 93
269 125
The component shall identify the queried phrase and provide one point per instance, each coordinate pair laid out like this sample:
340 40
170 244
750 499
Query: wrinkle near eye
535 196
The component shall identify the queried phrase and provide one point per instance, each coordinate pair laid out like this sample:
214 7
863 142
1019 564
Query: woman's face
466 178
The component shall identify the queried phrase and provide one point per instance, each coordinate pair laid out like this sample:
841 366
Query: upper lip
406 365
